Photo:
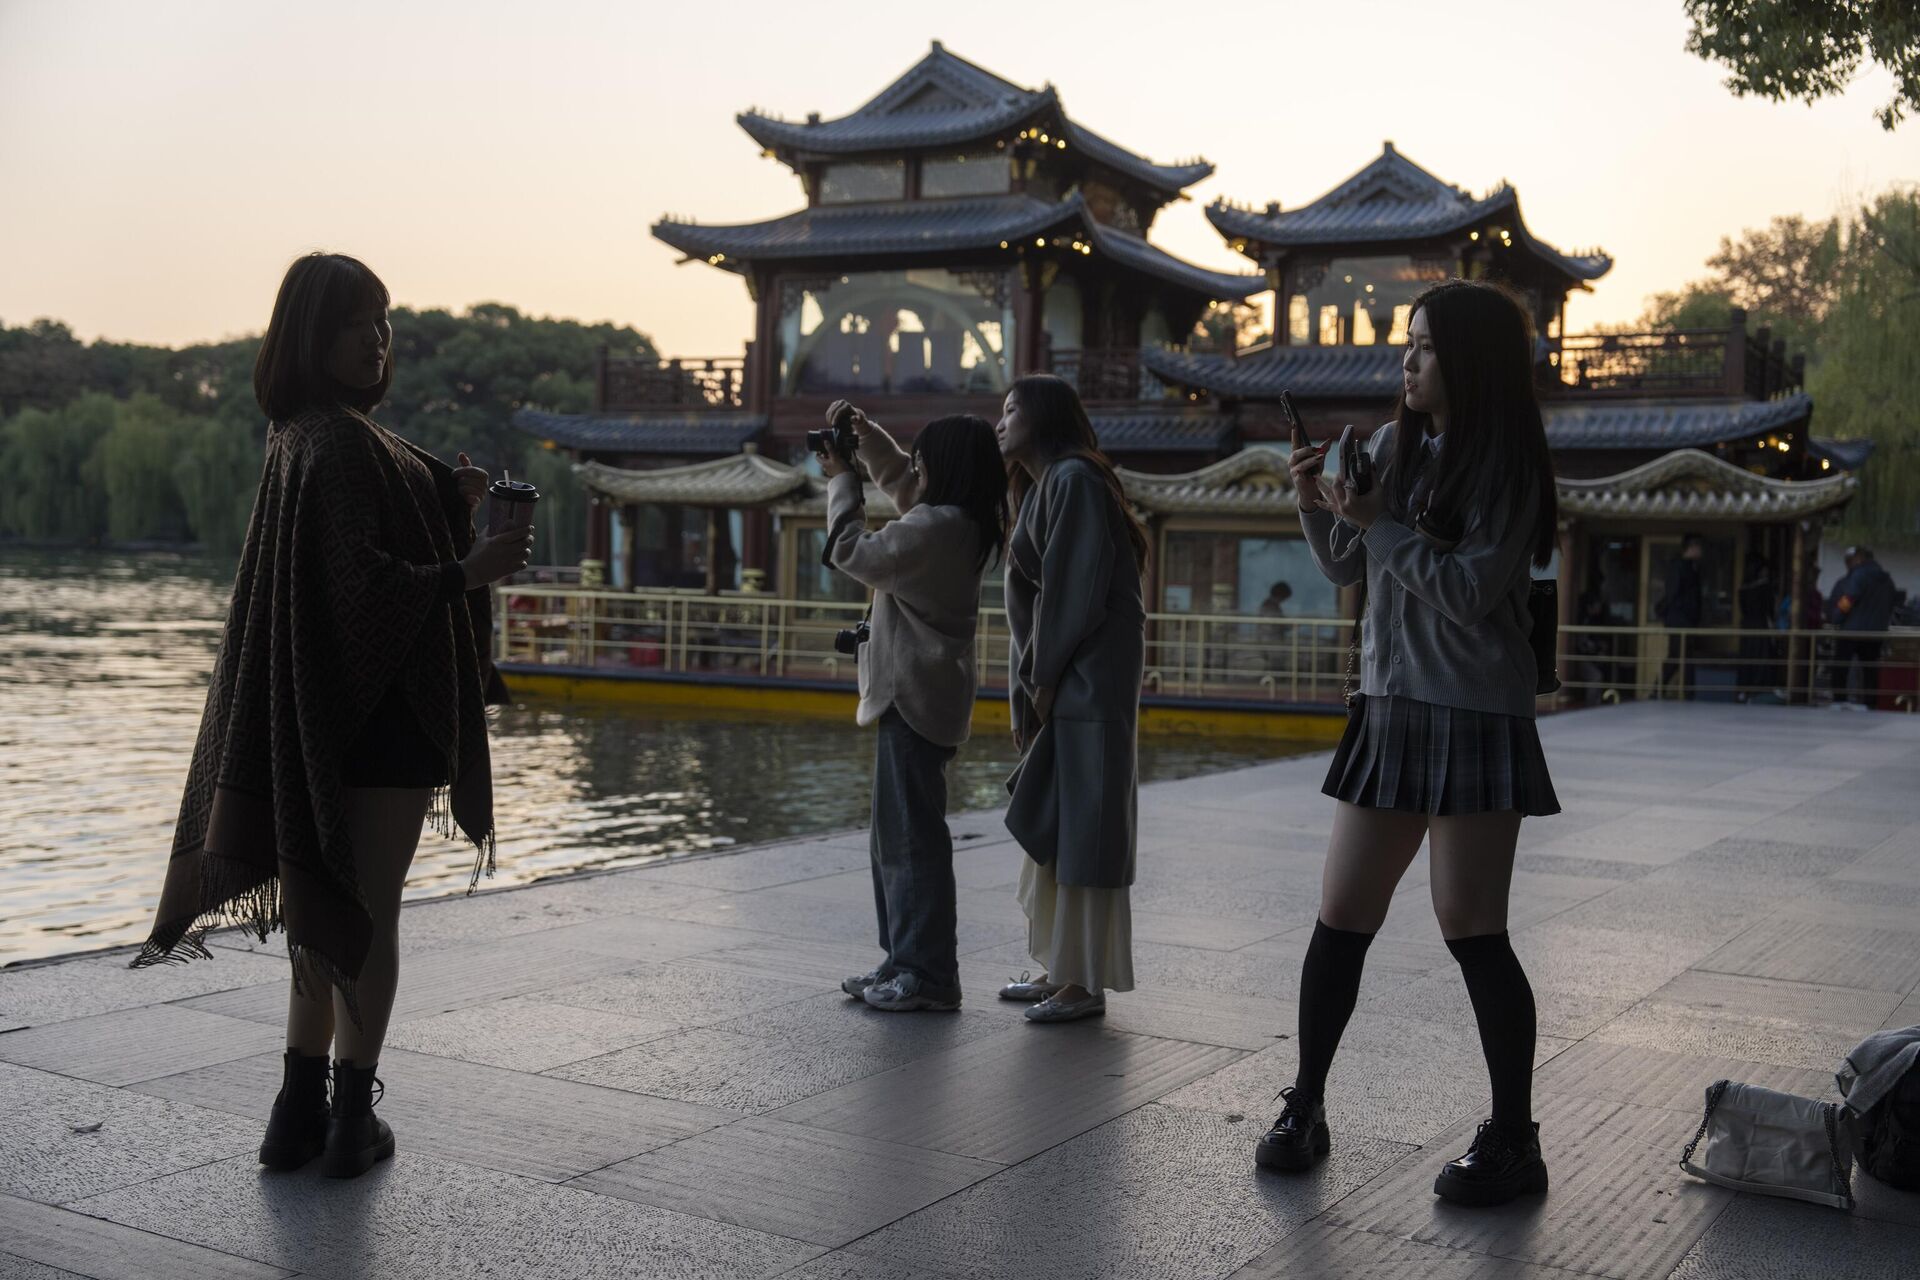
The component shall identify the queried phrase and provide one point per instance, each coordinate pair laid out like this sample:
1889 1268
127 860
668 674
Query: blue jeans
913 891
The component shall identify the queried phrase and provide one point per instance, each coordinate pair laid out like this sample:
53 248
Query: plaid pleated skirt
1399 753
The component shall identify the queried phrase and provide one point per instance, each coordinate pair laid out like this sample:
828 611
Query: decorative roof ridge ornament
1696 464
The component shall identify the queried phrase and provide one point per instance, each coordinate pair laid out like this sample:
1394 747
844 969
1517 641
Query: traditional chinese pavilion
960 230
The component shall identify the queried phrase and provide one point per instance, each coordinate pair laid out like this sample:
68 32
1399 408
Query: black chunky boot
1499 1166
297 1129
357 1139
1299 1139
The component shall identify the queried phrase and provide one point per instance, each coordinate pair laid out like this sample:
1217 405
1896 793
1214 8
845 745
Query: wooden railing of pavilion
1727 362
628 382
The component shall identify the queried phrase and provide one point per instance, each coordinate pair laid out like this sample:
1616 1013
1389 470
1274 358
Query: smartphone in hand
1297 432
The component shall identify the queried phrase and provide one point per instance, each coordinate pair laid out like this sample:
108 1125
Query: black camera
849 639
839 439
1356 464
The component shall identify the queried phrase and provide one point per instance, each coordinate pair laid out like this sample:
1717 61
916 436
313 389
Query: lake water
103 668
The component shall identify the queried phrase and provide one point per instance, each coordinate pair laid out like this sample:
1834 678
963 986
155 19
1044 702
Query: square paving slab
523 1034
1823 952
49 1242
58 992
68 1138
137 1044
790 1180
1015 1094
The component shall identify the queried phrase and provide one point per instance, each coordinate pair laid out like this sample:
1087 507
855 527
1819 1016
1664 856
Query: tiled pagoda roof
1393 199
668 432
937 226
1322 372
1669 424
944 100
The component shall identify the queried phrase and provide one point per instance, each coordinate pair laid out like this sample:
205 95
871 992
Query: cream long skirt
1080 936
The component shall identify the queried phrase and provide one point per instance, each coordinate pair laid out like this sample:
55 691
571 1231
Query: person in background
1274 606
1078 622
1862 603
916 675
347 699
1757 674
1679 609
1270 642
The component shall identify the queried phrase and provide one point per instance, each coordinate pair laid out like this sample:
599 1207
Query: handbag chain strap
1713 1100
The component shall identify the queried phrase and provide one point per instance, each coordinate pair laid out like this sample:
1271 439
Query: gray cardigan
1449 627
925 576
1078 625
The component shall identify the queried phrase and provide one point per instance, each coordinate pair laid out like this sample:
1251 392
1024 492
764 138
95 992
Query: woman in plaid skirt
1440 743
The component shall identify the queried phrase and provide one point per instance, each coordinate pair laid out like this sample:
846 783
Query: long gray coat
1079 628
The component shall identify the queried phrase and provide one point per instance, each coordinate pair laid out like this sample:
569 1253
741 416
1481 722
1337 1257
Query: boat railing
1208 657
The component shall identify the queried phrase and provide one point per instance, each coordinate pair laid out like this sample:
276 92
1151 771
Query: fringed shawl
337 599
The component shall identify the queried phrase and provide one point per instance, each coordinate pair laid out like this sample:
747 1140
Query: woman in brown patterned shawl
348 699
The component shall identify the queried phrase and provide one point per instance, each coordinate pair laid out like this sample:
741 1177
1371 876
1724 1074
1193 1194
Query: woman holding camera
1074 607
1441 743
348 693
916 673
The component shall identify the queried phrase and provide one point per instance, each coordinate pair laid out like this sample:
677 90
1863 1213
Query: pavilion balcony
1729 363
629 383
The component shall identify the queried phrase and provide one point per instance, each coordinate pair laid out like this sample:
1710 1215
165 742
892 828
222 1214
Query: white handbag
1774 1144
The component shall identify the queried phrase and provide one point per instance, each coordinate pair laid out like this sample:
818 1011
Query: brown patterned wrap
339 595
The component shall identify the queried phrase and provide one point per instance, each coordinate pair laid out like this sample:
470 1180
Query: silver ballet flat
1054 1009
1021 989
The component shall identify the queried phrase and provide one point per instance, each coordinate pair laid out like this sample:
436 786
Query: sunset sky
160 162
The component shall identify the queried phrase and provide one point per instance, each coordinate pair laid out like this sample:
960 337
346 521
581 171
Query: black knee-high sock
1329 986
1503 1006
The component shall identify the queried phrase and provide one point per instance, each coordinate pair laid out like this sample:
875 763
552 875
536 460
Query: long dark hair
961 461
1061 429
320 293
1496 446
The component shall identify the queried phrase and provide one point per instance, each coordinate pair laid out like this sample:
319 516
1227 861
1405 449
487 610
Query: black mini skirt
1399 753
392 750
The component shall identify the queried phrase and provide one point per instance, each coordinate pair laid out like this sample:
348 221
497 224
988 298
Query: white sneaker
905 993
1054 1009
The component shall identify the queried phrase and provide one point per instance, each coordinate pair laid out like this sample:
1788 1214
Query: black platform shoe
297 1129
357 1139
1497 1167
1299 1138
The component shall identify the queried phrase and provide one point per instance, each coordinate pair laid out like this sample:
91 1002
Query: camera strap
855 518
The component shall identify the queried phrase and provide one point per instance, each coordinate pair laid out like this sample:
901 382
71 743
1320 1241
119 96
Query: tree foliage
1808 49
1868 380
116 440
1782 275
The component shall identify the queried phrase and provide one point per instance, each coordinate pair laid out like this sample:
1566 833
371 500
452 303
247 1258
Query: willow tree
1867 383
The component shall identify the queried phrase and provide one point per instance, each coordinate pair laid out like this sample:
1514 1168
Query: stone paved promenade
653 1073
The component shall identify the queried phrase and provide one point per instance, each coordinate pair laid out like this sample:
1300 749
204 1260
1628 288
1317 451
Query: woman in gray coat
1079 642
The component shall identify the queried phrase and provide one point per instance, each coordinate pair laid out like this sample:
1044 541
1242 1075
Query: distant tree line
1846 292
121 442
